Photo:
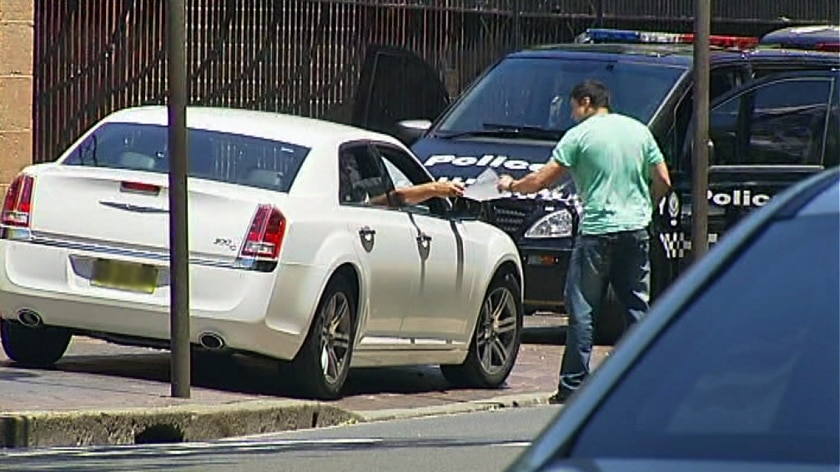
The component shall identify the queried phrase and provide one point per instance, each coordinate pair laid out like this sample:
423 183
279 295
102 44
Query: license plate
129 276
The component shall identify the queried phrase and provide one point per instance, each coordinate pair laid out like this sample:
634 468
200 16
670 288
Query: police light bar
607 35
816 38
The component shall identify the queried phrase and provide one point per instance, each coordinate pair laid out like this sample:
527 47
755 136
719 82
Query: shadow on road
263 377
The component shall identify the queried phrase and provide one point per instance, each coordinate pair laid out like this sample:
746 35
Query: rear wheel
33 347
321 366
496 339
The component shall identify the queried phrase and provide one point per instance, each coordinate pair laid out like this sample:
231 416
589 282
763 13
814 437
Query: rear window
214 155
534 92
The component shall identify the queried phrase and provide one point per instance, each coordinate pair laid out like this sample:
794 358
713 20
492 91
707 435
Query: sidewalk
100 393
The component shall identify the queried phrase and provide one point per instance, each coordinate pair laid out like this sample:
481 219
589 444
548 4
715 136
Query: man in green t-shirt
619 173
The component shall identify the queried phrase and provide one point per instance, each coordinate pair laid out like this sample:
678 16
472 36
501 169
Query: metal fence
304 56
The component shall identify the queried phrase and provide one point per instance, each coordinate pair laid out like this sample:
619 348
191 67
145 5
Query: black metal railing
304 56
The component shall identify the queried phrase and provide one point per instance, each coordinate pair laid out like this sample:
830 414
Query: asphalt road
486 441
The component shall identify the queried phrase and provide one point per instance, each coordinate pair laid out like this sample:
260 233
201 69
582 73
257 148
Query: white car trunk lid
129 209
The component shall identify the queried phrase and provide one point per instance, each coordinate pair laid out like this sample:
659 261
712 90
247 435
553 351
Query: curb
188 423
495 403
164 424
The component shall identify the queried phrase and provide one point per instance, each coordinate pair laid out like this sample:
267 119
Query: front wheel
496 339
37 347
321 366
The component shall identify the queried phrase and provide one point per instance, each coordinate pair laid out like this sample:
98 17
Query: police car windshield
533 94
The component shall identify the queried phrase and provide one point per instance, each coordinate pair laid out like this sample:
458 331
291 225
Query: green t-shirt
609 157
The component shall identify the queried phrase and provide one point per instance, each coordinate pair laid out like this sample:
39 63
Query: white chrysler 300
292 255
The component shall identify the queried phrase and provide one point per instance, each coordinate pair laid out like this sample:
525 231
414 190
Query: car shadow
247 375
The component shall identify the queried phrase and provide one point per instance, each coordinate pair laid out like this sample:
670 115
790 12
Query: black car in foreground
775 119
736 367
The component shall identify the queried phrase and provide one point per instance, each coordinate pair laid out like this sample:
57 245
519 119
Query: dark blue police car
774 120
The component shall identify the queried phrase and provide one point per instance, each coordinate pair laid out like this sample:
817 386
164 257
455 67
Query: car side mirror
412 130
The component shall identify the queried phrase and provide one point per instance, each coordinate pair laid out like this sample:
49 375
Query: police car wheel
496 338
40 346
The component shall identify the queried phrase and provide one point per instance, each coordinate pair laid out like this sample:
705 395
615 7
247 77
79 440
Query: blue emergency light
608 35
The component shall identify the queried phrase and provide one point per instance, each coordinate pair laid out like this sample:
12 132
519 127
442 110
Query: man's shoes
560 396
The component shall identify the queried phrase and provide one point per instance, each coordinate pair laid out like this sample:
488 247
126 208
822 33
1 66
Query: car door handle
366 231
423 238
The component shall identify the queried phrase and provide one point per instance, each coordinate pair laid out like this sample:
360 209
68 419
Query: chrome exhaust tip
29 318
211 341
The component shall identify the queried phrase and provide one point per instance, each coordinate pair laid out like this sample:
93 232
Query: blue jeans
621 259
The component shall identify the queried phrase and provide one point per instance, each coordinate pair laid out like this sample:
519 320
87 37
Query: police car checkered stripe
677 246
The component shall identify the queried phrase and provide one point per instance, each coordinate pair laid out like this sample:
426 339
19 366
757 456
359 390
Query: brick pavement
96 375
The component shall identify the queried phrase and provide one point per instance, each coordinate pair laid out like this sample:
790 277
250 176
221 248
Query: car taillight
831 47
17 206
139 187
265 234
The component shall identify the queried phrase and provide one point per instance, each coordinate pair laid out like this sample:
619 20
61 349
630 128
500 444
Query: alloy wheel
335 337
496 335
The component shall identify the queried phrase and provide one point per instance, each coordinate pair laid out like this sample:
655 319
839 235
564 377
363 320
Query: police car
773 121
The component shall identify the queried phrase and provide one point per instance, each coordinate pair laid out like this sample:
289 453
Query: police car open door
396 85
765 137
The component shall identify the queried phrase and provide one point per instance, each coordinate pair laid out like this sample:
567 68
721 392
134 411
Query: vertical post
517 24
700 168
600 14
179 303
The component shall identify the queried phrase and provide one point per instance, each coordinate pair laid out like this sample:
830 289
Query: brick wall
16 59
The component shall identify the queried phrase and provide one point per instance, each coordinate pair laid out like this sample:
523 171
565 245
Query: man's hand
448 189
504 183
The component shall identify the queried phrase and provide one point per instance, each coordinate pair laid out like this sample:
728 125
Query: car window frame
744 120
387 184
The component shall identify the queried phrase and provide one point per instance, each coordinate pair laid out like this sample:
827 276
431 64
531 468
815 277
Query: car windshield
534 93
214 155
748 372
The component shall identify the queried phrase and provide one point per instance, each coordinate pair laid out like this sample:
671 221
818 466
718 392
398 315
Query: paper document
484 187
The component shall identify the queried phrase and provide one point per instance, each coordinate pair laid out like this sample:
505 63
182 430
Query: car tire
504 332
323 362
38 347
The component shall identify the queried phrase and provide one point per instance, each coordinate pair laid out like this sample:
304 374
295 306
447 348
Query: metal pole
179 302
517 24
699 204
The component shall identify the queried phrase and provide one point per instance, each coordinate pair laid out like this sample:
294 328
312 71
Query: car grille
509 215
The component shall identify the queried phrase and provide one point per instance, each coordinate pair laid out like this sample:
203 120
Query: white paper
484 187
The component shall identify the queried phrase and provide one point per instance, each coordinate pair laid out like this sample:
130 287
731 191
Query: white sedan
292 254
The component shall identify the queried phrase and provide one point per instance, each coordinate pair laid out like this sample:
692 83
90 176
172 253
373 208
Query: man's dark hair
598 93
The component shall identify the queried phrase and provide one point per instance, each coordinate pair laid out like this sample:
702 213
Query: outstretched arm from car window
415 194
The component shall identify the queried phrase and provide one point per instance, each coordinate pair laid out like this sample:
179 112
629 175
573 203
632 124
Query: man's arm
660 182
660 179
535 181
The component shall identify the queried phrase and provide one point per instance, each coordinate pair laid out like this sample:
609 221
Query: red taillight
139 187
17 206
266 234
832 47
